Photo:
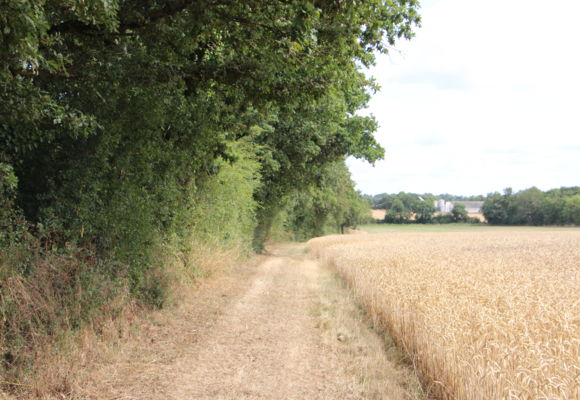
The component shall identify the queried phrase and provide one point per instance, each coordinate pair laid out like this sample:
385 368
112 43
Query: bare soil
283 328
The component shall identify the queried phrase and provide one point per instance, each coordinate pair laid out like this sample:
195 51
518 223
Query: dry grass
59 362
374 361
477 215
484 315
273 336
378 214
141 366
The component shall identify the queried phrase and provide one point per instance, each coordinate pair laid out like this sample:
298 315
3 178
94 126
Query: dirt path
290 332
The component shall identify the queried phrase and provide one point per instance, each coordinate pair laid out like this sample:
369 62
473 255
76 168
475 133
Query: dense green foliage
405 207
534 207
331 205
132 126
117 114
459 212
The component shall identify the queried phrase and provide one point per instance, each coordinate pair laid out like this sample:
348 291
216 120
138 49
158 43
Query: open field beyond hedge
487 314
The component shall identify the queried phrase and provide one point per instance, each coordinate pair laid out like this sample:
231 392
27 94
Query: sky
484 97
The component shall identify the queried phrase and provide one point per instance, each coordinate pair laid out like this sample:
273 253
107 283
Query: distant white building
472 207
443 206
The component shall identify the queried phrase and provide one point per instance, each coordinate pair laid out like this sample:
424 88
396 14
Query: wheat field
482 315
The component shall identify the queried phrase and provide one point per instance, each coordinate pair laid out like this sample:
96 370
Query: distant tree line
527 207
383 201
534 207
406 208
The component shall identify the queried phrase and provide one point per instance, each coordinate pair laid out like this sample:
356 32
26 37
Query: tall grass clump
482 315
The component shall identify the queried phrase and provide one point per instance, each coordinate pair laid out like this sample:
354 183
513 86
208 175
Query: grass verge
371 356
67 313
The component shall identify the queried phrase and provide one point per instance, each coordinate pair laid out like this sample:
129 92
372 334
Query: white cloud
485 97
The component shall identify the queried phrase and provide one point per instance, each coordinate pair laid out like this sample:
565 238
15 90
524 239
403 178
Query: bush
446 218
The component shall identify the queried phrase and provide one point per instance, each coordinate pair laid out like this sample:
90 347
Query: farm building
472 207
443 206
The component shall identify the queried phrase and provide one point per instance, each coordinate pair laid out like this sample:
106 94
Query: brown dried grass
378 214
57 361
379 367
477 215
484 315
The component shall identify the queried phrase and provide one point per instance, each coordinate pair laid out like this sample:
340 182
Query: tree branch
171 8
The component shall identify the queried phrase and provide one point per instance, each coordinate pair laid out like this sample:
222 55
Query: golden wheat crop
483 315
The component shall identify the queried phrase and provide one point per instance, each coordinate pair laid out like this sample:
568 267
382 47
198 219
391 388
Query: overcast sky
486 96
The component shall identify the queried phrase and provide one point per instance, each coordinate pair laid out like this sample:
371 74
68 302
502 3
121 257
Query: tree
550 210
571 210
495 208
424 210
115 113
531 206
524 207
331 204
459 213
397 214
